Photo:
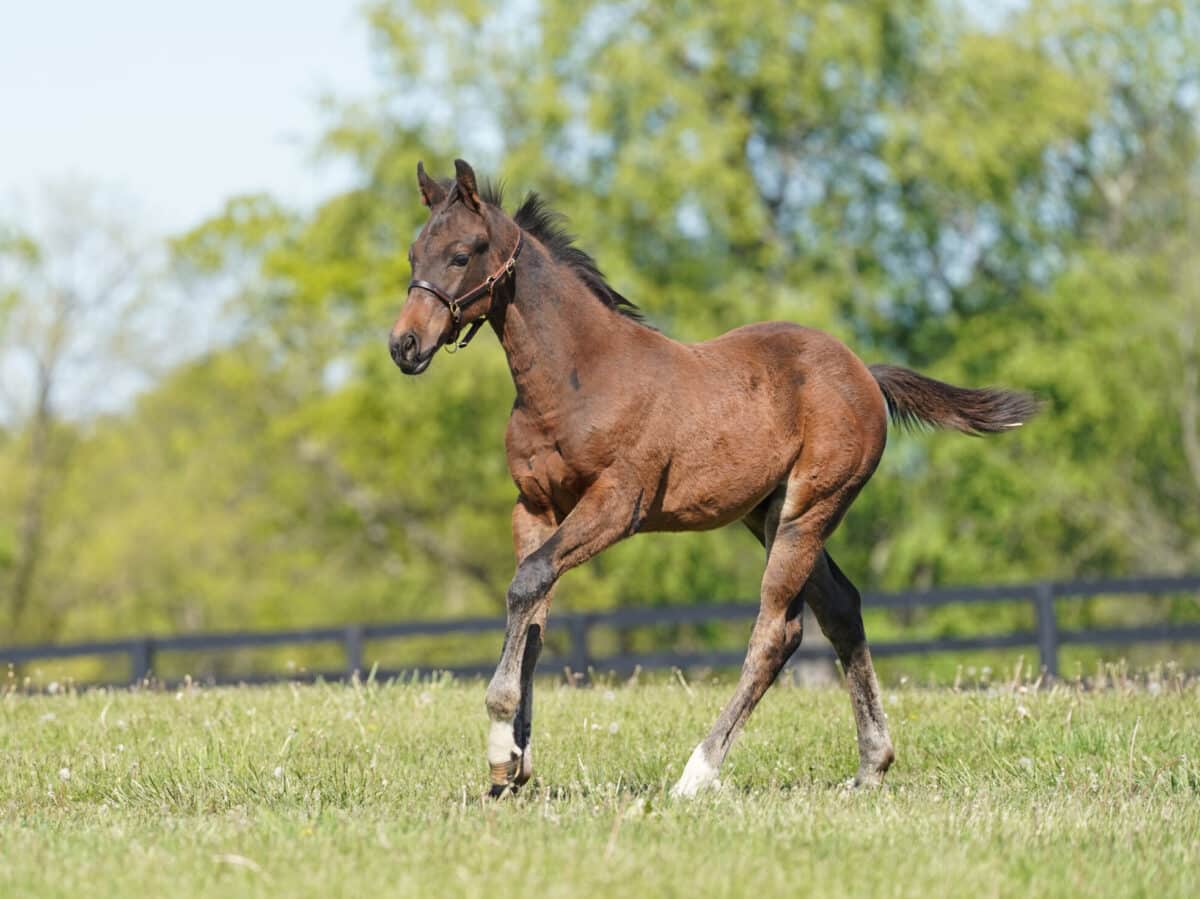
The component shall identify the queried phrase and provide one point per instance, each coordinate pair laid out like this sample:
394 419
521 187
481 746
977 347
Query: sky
176 105
169 108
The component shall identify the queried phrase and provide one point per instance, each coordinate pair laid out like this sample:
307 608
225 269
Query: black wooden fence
1046 636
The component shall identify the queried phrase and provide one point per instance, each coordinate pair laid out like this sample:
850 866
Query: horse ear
432 193
466 183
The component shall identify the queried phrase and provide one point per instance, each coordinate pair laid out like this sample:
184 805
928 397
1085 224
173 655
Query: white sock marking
698 774
501 745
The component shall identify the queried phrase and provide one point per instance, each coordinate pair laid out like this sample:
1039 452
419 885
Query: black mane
540 221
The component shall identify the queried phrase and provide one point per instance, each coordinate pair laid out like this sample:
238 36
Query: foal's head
465 242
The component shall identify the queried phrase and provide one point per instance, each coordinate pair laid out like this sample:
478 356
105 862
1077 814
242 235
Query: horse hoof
524 768
864 781
504 778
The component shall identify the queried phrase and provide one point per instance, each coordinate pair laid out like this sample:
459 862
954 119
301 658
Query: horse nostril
404 349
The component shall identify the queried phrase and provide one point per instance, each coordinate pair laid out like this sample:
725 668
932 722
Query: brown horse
617 429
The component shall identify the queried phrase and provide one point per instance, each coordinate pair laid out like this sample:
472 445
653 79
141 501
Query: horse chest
540 472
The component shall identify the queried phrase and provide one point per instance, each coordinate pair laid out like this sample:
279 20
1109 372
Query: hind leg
794 530
838 608
776 635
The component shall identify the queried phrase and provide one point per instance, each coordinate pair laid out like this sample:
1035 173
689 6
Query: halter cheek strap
457 305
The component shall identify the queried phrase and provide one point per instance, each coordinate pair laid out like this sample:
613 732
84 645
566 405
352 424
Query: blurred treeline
990 199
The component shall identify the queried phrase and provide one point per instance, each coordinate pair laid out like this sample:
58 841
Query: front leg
609 511
509 752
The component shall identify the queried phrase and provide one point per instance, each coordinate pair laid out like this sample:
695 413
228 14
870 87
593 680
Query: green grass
343 790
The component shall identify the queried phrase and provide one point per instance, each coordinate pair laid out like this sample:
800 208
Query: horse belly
735 437
715 483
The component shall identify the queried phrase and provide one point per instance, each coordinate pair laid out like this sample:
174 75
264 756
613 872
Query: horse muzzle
406 353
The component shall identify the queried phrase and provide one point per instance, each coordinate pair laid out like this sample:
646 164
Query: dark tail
914 400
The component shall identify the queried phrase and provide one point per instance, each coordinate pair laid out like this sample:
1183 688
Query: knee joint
533 579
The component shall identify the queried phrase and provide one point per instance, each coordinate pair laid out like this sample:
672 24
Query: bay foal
617 429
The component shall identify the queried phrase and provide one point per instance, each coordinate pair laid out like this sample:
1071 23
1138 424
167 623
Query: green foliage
1011 205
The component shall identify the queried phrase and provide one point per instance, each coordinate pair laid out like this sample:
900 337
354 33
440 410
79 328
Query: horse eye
460 260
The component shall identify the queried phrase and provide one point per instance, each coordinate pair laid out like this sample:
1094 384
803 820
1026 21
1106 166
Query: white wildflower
64 774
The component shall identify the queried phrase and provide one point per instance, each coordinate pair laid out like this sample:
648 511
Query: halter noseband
456 305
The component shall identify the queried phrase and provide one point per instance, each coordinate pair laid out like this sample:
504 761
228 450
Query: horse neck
551 330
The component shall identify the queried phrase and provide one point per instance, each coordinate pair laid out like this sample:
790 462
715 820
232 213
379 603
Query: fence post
353 642
580 661
141 659
1047 627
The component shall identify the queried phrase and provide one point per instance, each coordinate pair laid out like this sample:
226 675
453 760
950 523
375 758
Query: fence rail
1047 636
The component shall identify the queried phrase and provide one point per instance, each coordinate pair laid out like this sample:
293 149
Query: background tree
71 286
1005 202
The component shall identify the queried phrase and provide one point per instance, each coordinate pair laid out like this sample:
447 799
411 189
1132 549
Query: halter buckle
452 346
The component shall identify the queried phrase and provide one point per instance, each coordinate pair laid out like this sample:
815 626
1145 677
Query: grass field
345 790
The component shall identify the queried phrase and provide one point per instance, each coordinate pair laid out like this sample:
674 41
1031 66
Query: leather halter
456 305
